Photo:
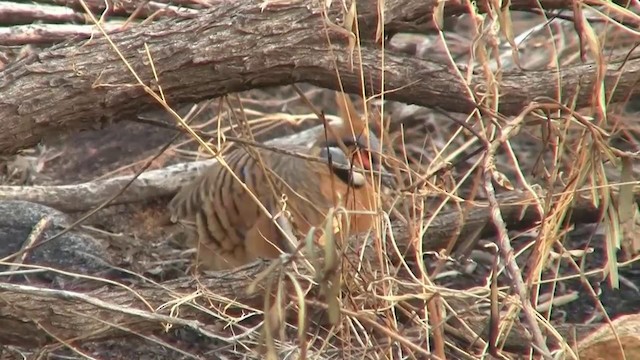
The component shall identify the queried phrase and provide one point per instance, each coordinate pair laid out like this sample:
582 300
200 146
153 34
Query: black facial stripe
374 144
364 150
345 175
334 143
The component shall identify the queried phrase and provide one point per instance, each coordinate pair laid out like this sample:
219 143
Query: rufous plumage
231 229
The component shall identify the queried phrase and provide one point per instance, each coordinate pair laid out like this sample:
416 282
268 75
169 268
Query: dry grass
397 310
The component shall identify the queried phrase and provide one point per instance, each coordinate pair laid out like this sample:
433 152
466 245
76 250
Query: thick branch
149 185
29 310
239 46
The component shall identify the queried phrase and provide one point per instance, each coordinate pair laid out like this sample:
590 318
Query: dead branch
149 185
12 13
238 46
142 8
47 33
28 313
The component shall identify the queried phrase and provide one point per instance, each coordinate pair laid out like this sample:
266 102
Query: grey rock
72 252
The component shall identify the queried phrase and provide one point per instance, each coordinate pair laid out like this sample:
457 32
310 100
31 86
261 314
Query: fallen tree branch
149 185
47 33
73 87
28 314
142 8
12 13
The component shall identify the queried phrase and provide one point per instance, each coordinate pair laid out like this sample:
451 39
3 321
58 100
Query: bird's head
351 147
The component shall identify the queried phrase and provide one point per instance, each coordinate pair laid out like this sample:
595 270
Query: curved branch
239 46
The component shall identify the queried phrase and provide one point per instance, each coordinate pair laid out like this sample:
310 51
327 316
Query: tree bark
238 46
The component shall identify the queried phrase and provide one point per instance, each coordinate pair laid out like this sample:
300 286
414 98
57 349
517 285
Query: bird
232 229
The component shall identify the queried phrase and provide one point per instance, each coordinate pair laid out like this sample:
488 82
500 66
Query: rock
72 252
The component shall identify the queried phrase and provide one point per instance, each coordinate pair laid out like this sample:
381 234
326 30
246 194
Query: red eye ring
363 157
